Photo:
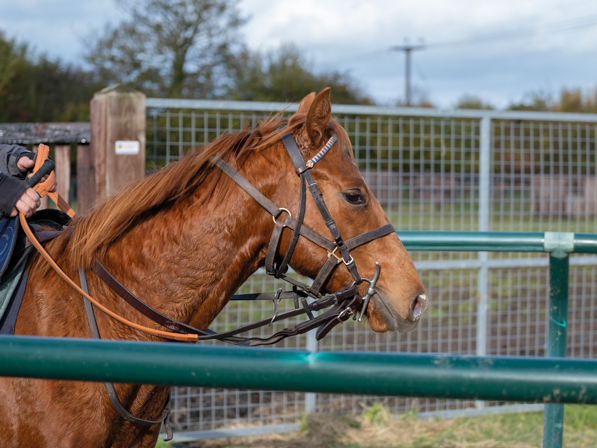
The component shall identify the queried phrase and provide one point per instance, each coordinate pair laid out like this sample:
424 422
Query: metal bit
371 290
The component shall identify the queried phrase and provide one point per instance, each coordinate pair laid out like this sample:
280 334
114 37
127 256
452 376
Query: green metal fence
553 381
431 170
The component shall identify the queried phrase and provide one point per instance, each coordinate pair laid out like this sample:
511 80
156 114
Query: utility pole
407 51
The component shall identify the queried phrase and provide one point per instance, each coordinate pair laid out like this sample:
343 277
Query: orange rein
42 190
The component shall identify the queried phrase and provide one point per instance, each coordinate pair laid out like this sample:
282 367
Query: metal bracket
559 244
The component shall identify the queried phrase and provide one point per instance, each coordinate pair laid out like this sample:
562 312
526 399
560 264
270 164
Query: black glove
11 190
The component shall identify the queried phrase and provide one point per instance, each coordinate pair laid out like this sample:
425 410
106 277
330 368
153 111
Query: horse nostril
419 306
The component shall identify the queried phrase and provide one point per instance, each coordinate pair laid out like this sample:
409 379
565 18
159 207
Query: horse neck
187 262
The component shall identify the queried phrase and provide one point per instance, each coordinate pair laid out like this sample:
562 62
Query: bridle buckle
338 259
345 312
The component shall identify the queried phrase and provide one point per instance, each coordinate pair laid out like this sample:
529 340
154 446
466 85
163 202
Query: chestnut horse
184 240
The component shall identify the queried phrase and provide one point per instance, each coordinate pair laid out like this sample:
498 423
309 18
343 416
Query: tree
281 75
12 60
36 89
173 48
468 101
570 100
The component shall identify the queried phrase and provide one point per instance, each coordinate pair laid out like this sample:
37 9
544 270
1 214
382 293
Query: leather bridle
344 303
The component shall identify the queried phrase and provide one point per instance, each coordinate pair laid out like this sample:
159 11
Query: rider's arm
15 193
9 159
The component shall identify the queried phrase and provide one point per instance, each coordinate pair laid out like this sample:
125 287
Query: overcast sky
558 47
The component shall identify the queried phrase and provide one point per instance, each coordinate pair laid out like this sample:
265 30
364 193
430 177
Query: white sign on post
127 148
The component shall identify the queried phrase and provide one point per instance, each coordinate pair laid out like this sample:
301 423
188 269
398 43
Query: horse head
400 297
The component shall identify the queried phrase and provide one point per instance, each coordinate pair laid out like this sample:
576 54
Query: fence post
85 180
484 199
553 416
117 150
62 155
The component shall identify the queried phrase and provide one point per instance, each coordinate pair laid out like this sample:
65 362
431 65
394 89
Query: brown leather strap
343 316
139 305
229 336
367 237
109 386
66 278
248 188
323 274
295 236
297 159
312 236
272 250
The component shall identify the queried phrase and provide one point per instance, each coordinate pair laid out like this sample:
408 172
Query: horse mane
94 233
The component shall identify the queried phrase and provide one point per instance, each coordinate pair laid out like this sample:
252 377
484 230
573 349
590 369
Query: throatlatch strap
109 386
248 188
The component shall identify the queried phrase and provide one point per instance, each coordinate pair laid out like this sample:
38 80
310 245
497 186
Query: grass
376 428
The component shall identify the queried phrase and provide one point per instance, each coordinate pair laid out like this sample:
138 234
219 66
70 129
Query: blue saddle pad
9 228
12 290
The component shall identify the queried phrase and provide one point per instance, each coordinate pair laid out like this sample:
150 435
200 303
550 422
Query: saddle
15 248
14 244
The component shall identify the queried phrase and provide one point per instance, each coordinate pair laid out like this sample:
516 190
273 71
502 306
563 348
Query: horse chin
382 319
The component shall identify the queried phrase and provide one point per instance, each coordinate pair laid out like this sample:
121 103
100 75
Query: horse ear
306 103
319 114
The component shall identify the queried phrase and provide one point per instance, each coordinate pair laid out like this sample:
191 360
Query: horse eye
354 198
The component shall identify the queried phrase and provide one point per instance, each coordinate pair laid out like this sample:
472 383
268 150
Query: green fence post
553 417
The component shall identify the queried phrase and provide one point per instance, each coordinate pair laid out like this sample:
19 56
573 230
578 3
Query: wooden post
62 155
117 150
85 180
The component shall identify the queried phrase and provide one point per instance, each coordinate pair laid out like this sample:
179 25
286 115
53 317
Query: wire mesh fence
430 170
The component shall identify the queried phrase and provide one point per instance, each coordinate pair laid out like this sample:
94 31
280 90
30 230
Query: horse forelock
109 222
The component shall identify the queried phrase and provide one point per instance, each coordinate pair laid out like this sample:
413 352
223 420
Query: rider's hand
25 164
27 203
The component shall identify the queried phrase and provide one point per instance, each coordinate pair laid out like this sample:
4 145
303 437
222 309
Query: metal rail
583 243
550 380
172 103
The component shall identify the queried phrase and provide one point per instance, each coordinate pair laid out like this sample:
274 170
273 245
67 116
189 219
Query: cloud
354 36
56 27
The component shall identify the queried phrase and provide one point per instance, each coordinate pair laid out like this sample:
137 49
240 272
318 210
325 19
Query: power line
547 29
